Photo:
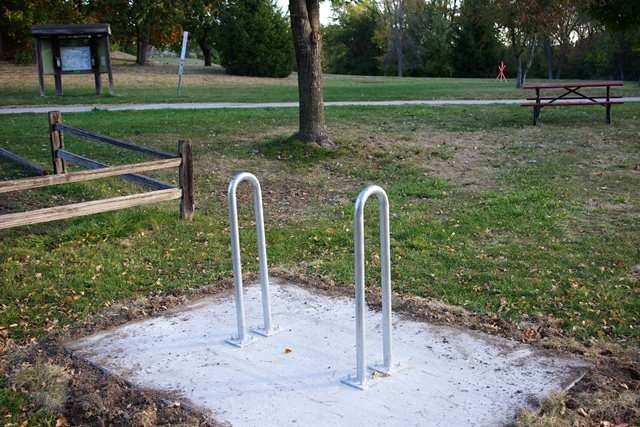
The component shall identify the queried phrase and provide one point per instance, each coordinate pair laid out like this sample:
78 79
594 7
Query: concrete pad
450 377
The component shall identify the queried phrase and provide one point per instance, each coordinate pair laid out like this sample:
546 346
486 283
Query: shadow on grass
296 151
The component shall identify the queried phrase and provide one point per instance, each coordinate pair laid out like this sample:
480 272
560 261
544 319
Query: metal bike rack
268 329
385 368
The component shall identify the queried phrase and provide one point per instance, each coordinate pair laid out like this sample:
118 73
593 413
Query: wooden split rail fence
60 156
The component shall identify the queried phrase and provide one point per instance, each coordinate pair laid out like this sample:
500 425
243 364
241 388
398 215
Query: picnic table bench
572 96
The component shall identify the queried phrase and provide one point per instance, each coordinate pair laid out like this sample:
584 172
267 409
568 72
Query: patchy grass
488 213
46 386
157 83
550 414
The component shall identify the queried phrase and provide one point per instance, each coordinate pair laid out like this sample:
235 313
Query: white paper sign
183 54
77 58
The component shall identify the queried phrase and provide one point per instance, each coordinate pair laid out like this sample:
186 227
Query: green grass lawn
157 83
488 212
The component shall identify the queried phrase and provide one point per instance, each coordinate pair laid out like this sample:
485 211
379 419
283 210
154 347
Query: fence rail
131 177
87 208
183 160
82 176
82 133
22 162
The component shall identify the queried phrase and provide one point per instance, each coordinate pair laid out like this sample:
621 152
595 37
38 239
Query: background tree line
250 37
468 38
440 38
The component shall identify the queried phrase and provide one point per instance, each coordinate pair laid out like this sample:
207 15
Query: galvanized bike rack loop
268 329
385 368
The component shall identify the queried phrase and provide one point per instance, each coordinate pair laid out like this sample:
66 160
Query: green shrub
255 39
25 57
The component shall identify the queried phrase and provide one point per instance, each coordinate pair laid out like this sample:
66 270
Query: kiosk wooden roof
72 49
70 29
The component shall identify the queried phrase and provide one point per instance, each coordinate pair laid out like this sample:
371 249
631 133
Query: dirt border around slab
96 397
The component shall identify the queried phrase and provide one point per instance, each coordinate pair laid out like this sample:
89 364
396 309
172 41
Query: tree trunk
307 42
519 76
517 55
206 51
399 37
621 51
143 44
562 57
559 71
399 53
531 52
549 56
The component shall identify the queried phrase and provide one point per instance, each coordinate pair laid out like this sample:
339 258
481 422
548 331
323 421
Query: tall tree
156 22
619 16
254 39
307 42
349 46
571 18
146 22
17 17
416 36
394 26
201 20
429 36
476 49
525 22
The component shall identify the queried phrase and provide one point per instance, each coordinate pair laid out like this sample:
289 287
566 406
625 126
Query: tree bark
399 37
517 54
559 71
519 76
142 44
307 42
206 51
621 51
531 52
562 57
549 56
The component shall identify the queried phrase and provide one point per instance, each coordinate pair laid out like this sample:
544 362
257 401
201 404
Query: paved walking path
243 105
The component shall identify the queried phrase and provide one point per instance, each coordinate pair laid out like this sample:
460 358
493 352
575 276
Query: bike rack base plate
266 333
236 342
353 381
379 368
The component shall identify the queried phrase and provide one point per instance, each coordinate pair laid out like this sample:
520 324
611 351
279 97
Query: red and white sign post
501 68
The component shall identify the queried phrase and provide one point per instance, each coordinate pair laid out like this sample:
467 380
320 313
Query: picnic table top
562 85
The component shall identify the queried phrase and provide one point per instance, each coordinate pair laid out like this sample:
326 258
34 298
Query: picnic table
572 95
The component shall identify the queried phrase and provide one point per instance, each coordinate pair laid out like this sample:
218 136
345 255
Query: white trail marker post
183 54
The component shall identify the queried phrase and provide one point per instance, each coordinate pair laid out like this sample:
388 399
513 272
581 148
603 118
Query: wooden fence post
57 142
187 203
40 65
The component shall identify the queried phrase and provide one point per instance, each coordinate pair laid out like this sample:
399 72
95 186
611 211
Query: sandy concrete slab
450 377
